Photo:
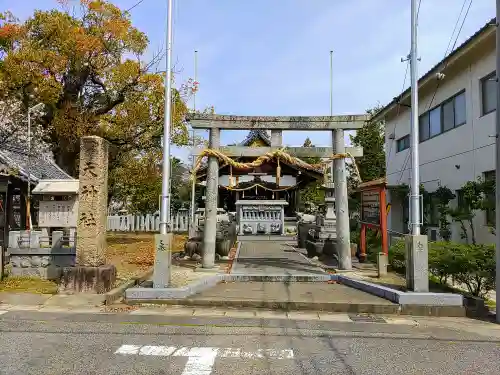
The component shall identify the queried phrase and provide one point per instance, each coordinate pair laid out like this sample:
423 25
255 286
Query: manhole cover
366 318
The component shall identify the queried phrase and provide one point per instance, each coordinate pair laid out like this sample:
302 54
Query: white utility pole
163 241
331 105
415 172
165 191
497 171
193 183
417 273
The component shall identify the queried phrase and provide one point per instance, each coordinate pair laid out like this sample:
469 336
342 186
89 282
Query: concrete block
417 263
382 262
431 299
163 260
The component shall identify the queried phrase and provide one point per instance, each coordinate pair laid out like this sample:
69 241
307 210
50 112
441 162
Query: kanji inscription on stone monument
93 202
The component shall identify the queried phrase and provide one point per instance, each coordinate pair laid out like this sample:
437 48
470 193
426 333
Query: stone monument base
85 279
319 248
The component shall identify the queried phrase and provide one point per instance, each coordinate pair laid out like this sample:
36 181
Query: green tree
372 164
139 183
87 68
312 192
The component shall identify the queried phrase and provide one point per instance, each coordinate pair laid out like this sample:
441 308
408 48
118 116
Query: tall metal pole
193 182
29 171
415 175
497 172
331 106
165 188
417 252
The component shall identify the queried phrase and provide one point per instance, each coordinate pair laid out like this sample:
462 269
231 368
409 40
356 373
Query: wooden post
383 220
362 243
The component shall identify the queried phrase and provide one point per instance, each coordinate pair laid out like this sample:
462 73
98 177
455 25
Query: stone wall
32 254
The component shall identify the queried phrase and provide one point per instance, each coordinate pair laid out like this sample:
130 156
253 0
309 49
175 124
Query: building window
423 124
490 200
488 93
448 115
403 143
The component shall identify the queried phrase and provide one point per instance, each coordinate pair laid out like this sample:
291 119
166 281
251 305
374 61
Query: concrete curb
139 295
400 297
289 306
115 293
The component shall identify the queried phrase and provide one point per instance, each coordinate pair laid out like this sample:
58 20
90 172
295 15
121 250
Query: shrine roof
15 157
255 135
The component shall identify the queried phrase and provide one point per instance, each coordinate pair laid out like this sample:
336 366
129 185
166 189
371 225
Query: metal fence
147 223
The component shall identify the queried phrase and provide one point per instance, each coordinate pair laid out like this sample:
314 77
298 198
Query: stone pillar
210 232
90 273
341 202
276 138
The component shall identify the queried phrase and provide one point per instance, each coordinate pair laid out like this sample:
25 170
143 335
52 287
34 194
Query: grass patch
134 253
28 285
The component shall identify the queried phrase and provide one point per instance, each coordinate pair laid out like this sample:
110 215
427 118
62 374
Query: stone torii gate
336 124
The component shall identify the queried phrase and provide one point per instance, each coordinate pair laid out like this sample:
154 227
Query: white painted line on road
3 312
200 361
153 350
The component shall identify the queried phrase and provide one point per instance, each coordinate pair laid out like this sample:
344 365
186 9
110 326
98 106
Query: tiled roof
256 134
40 167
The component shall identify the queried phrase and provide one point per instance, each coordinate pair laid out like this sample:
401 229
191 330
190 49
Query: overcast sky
271 57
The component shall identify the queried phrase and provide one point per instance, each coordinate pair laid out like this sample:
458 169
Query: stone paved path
272 258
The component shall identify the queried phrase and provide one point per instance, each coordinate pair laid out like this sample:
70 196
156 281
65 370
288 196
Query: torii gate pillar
212 192
341 202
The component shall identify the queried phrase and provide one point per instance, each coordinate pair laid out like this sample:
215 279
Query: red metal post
383 221
362 243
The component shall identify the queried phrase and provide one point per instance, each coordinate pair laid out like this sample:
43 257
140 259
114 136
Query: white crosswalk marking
201 359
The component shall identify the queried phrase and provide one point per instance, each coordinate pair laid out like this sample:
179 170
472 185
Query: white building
457 101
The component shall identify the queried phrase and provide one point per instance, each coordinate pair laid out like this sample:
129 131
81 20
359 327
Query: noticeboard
370 206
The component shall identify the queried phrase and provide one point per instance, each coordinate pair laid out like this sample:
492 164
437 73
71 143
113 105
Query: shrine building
273 180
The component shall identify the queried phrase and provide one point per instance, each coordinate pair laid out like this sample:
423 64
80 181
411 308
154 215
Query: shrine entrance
245 170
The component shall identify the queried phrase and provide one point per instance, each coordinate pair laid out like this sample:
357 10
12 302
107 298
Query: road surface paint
3 312
201 359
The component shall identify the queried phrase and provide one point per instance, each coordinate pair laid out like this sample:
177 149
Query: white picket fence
146 223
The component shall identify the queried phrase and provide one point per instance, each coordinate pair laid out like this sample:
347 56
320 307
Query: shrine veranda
263 210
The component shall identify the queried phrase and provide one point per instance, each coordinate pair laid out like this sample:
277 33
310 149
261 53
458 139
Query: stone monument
91 274
322 237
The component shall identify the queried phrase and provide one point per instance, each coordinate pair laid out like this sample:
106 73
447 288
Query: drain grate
366 318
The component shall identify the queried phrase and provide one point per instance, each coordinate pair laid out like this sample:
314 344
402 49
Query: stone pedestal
322 238
87 279
163 260
417 263
382 262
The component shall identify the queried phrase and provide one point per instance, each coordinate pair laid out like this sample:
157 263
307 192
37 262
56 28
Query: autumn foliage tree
87 68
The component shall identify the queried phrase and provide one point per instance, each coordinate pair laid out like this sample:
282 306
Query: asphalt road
62 343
